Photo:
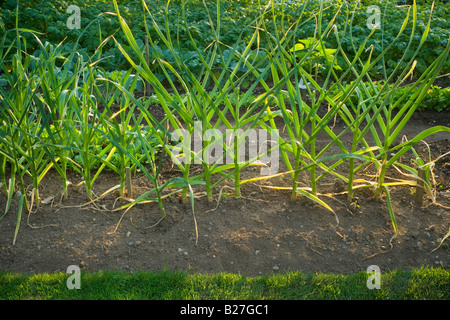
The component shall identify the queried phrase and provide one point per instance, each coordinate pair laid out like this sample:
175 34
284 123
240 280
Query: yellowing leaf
298 47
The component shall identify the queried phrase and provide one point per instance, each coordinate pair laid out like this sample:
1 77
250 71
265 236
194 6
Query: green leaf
297 47
19 217
313 198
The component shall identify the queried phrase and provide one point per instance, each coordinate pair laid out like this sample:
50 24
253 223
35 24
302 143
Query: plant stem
208 183
186 176
2 172
379 189
313 155
237 185
161 206
296 174
351 170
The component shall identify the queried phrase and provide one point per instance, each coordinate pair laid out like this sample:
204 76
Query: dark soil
262 233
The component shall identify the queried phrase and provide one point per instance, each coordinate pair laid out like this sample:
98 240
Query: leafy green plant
377 109
316 57
50 18
120 126
435 99
21 116
198 102
85 117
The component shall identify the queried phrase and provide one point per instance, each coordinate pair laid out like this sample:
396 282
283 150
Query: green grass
417 284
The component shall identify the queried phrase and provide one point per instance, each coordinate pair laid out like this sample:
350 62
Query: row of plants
62 112
99 24
436 98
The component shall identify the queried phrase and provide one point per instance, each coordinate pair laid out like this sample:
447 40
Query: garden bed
350 154
262 233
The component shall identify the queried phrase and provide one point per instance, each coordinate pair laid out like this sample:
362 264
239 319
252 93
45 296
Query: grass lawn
211 69
417 284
